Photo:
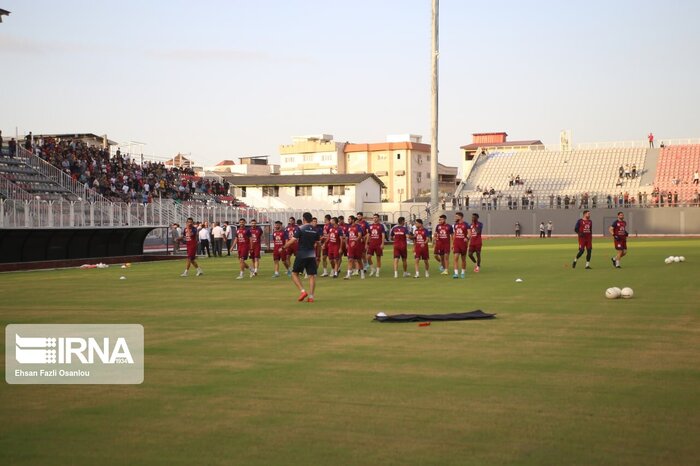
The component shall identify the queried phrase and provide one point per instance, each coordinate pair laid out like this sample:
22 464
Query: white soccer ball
627 292
676 259
612 293
668 260
682 258
122 278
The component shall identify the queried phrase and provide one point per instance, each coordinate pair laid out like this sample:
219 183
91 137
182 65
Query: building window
243 191
289 160
419 177
428 158
300 191
381 156
327 158
271 191
309 157
419 159
398 156
427 175
338 190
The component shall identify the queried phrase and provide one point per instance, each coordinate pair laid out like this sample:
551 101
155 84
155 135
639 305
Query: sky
225 79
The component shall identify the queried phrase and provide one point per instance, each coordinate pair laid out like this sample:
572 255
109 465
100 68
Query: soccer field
239 372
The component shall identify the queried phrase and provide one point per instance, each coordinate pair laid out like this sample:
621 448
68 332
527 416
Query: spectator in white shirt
218 242
228 233
204 238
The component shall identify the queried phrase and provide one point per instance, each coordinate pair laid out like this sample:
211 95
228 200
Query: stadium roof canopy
87 137
475 146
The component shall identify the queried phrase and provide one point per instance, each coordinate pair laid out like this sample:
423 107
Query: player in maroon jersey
475 243
619 231
459 243
333 241
442 237
189 236
343 247
420 239
355 242
375 244
279 253
324 246
584 229
256 237
399 234
360 220
291 229
243 246
319 246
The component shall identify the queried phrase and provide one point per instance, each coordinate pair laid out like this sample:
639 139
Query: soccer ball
612 293
676 259
682 258
627 292
668 260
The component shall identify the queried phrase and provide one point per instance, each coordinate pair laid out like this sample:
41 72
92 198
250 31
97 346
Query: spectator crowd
121 178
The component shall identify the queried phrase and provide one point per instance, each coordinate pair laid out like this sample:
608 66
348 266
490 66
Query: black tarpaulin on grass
478 314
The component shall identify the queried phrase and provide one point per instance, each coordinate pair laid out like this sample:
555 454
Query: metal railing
58 176
11 191
557 201
36 213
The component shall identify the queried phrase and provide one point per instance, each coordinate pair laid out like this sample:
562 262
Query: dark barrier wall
28 245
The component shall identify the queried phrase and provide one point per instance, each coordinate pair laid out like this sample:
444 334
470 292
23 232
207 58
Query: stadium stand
545 172
120 178
674 173
26 180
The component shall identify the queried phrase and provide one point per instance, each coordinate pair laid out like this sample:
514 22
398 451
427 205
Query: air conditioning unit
382 173
400 172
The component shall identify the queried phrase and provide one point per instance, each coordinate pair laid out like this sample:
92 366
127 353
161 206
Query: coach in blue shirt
307 237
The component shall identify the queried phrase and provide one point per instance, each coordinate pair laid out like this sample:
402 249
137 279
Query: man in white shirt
204 238
228 234
218 234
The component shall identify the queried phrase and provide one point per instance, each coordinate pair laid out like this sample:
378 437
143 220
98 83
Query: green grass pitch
238 372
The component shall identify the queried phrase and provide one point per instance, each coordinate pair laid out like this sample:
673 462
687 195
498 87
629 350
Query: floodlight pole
434 52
